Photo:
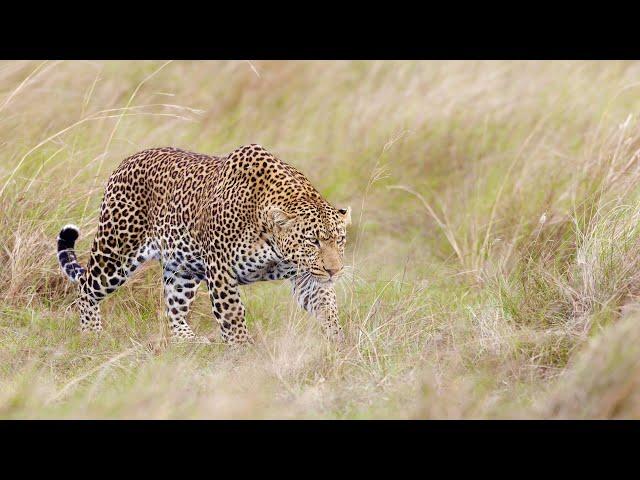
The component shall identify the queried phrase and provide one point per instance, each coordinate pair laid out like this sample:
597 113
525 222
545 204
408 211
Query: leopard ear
346 215
280 218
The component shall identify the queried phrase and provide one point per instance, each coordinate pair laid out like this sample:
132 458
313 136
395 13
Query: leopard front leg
319 299
228 309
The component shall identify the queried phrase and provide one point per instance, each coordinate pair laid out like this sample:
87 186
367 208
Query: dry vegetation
494 251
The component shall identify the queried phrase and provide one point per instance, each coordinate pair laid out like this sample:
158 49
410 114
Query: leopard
222 220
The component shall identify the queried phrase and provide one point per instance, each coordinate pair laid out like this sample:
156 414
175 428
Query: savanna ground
494 254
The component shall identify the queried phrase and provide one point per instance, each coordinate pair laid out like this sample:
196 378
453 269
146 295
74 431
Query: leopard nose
331 271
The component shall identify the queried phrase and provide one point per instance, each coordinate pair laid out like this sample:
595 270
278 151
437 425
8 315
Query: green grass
494 248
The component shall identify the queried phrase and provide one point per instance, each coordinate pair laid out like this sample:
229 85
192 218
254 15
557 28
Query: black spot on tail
67 238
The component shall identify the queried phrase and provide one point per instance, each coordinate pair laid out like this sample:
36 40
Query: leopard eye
313 241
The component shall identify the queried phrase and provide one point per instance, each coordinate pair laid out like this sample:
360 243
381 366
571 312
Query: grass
494 250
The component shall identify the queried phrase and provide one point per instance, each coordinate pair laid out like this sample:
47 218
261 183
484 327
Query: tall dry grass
494 251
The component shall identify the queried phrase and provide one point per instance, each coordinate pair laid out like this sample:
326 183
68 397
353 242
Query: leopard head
312 235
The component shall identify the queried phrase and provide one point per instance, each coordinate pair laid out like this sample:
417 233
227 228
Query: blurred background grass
494 250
